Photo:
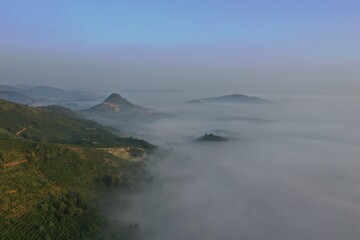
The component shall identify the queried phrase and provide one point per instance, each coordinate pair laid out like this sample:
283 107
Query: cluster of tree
68 204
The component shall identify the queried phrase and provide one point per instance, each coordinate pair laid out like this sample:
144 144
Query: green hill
53 169
56 124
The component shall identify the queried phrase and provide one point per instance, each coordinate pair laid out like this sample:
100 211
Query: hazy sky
227 46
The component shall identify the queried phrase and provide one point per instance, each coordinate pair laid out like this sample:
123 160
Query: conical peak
114 96
116 99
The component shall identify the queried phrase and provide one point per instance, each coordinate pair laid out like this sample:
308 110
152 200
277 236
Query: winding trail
15 163
21 131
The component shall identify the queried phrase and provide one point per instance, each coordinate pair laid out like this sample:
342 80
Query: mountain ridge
44 95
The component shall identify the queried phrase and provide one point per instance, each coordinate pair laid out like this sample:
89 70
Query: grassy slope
55 193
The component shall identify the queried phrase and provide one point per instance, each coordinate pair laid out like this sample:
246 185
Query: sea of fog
291 171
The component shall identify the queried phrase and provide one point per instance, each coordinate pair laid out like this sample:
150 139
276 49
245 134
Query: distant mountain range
119 109
234 98
44 95
50 93
15 97
153 91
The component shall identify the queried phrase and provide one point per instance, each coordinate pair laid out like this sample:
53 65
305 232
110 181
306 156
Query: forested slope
52 173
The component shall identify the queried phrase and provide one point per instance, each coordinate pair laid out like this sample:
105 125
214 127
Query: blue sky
309 31
172 22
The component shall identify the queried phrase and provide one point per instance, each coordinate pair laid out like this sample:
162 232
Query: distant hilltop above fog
116 104
210 137
115 108
233 98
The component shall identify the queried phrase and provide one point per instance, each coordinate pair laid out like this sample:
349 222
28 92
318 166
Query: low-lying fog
291 171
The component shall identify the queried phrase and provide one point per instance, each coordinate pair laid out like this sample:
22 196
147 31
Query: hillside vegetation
56 124
53 171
